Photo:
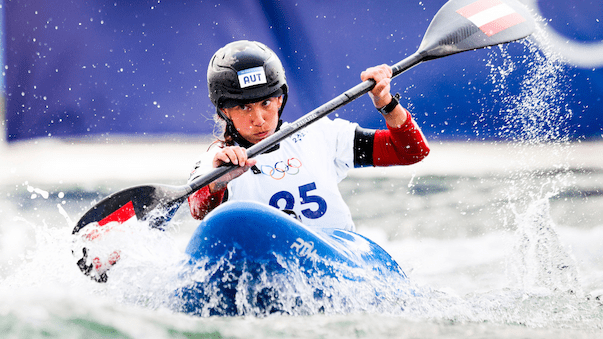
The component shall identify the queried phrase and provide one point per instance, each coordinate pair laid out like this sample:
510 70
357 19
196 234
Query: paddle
460 25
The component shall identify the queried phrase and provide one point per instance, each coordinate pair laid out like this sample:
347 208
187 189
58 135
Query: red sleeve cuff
404 145
202 202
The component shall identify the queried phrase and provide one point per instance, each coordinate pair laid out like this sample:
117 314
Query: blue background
75 68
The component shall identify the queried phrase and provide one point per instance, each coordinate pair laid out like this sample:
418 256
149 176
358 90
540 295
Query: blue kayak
251 259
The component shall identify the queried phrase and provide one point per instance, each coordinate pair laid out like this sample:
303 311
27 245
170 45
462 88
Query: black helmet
242 72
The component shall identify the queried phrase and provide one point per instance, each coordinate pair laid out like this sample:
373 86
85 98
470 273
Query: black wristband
387 109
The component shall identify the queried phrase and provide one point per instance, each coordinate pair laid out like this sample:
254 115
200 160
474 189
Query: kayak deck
248 258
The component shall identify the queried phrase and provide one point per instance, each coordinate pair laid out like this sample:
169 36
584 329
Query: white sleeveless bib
302 175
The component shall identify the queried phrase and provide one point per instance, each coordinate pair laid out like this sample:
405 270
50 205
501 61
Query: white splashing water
535 112
539 260
534 118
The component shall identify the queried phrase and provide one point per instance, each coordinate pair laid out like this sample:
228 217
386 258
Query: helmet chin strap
238 138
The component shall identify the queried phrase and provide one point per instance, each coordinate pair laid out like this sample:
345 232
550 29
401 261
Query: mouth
262 135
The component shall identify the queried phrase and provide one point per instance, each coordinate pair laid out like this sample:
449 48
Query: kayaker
247 85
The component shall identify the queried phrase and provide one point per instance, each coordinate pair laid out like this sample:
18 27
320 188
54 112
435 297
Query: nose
257 116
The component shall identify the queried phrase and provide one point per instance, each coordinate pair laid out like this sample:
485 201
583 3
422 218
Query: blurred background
108 68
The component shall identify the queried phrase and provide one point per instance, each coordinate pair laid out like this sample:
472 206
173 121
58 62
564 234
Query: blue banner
139 67
2 76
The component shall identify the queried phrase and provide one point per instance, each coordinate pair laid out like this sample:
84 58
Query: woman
247 85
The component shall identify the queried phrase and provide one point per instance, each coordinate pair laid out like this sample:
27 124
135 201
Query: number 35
305 199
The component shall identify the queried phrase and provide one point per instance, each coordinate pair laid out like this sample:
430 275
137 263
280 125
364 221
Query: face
255 121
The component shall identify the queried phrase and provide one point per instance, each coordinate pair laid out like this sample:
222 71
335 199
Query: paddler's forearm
397 117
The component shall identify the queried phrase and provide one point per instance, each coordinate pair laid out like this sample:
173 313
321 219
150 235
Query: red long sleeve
202 202
400 146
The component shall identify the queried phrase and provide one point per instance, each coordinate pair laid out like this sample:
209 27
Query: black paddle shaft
454 29
303 122
450 32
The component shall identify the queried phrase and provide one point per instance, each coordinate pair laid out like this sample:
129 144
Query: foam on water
47 291
470 281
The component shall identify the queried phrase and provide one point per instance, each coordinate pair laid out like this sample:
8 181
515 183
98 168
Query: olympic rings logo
291 167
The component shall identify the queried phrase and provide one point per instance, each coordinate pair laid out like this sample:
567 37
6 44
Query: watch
387 109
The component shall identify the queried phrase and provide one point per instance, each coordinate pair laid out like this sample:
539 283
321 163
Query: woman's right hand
235 155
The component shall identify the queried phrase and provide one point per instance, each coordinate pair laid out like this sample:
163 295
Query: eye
266 102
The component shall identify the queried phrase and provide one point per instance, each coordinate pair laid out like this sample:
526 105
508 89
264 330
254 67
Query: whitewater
498 239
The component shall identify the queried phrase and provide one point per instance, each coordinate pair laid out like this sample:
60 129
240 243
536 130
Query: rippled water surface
490 251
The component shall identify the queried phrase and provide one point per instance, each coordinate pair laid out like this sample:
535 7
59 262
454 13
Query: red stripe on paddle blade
123 214
501 24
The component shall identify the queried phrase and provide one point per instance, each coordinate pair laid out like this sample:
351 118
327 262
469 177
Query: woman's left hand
381 94
382 75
